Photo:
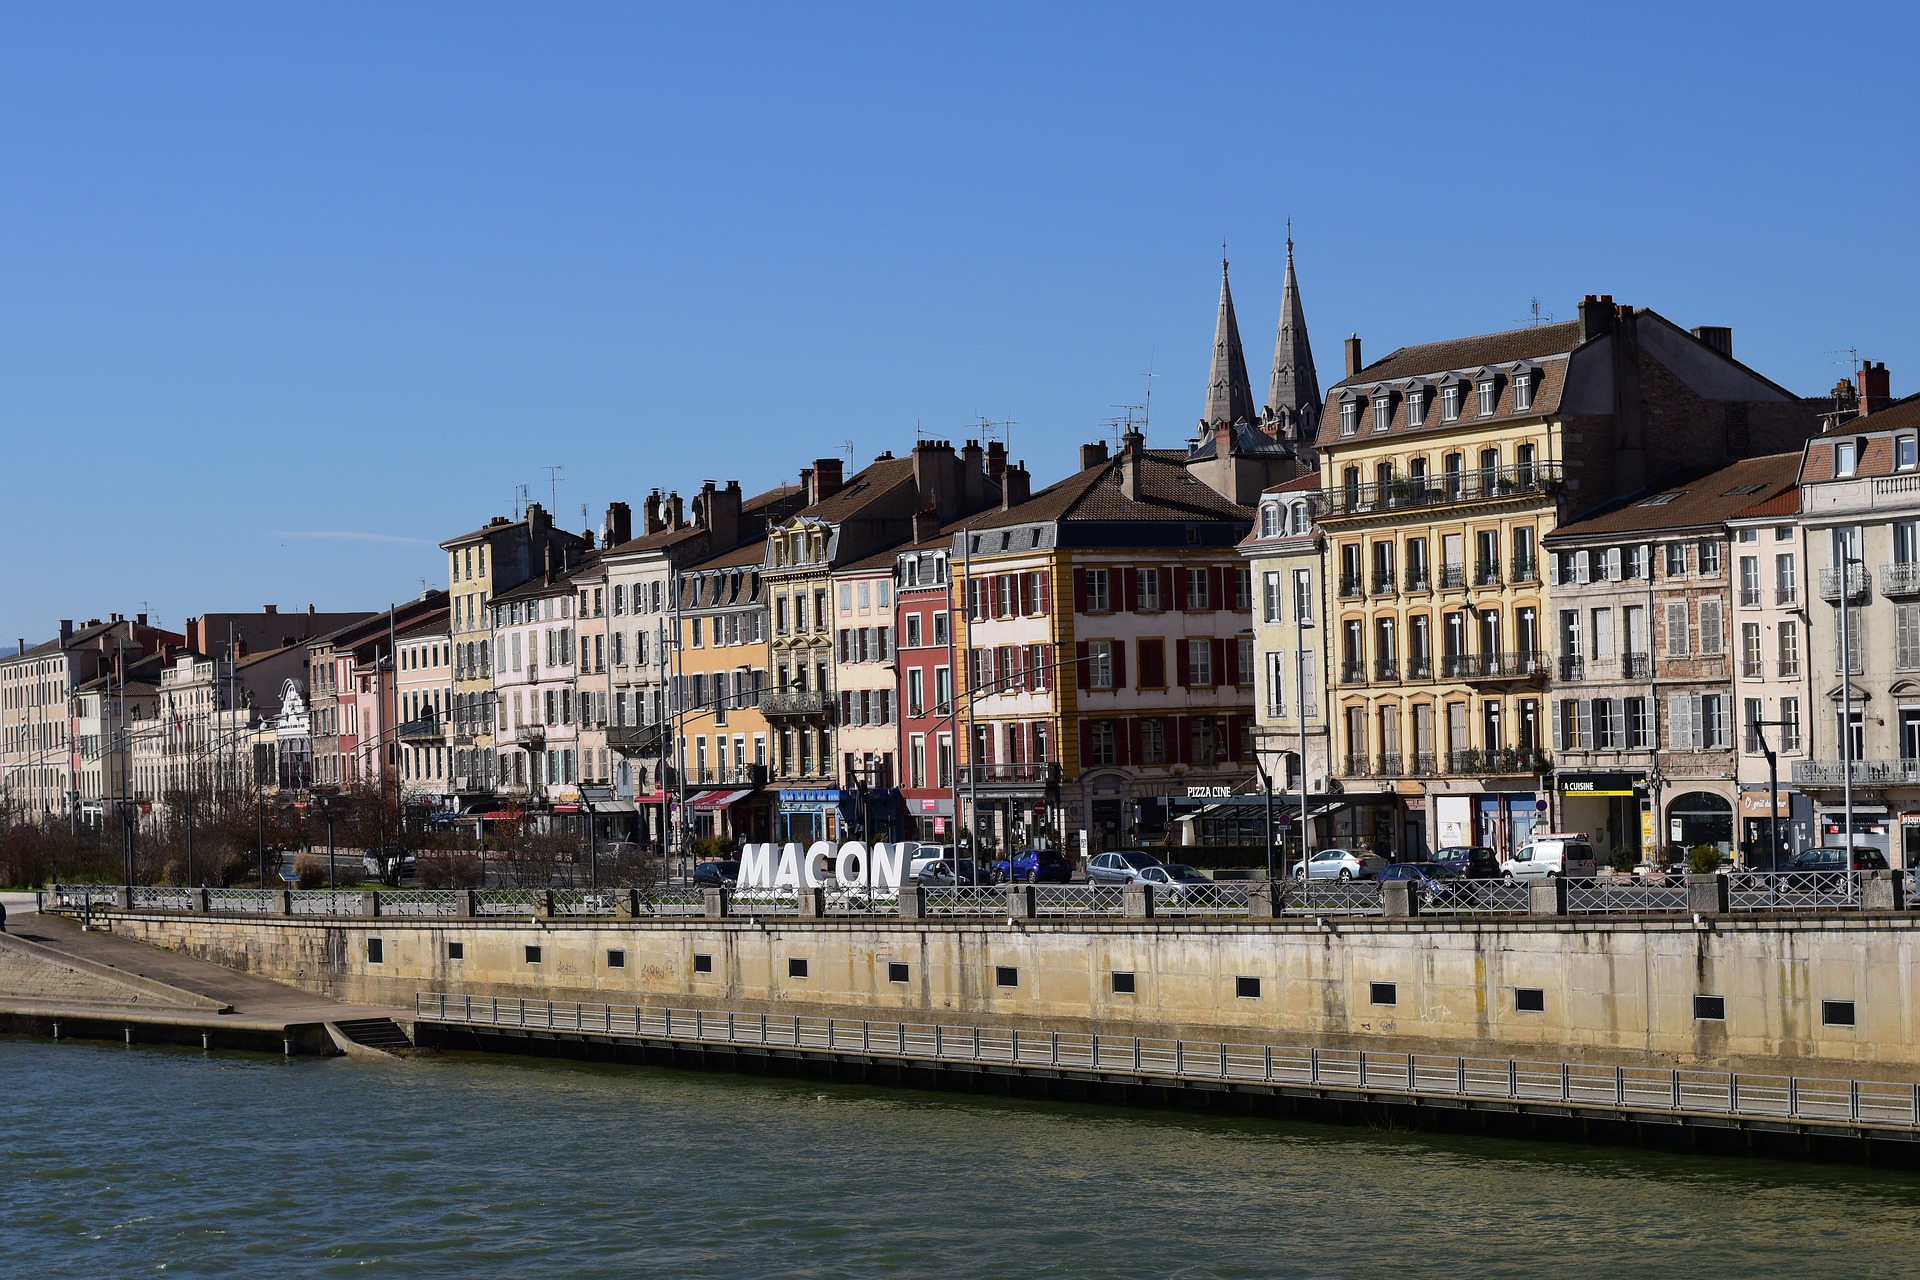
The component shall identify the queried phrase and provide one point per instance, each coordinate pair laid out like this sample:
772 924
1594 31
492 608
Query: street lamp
1302 623
1847 561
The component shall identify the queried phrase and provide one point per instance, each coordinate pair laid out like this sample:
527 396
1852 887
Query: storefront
929 818
813 813
1608 808
1872 827
1790 815
1497 820
1696 818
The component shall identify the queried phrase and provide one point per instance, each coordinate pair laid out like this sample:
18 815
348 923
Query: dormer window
1904 452
1522 392
1270 520
1349 417
1416 408
1382 412
1846 458
1299 517
1489 394
1450 403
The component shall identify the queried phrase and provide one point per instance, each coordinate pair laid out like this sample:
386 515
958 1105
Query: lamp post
1302 623
1773 786
1847 561
326 812
1266 784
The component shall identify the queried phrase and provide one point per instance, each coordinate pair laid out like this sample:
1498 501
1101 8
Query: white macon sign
823 864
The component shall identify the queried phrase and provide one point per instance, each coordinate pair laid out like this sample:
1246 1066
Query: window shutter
1560 724
1079 590
1119 664
1678 721
1179 600
1134 740
1085 665
1219 659
1023 594
1232 667
1180 664
1129 590
1582 567
1696 728
1046 592
1215 586
1613 564
1179 741
1231 748
1086 743
1122 743
1553 568
1677 628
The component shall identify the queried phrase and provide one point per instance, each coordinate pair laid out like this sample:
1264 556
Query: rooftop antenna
1146 410
586 519
520 500
846 447
553 486
1853 358
1538 318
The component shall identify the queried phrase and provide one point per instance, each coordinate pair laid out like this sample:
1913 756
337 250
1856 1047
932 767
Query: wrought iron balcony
1453 575
1573 668
1523 665
1498 763
1749 597
1856 584
425 729
1388 764
1351 586
1419 578
1786 596
1420 668
740 775
1525 569
1353 673
1636 666
1423 765
1490 485
1486 574
636 739
1788 669
1383 582
797 702
1900 580
1386 669
1031 774
1866 773
1356 767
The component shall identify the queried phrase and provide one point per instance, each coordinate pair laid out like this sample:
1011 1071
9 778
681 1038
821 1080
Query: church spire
1293 394
1229 394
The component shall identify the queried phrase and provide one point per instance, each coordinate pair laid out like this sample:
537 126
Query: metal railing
1351 586
1786 595
1900 579
1230 898
1486 574
1419 578
1387 764
1355 767
804 702
1324 896
1027 773
1520 665
1866 773
1856 583
1453 575
248 901
964 900
1588 897
1454 897
1573 668
1353 673
1383 582
1386 669
162 898
1379 1074
1636 666
326 902
1525 569
1792 890
508 902
1420 669
1486 485
1497 763
418 902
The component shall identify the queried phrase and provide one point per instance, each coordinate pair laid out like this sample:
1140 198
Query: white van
1555 853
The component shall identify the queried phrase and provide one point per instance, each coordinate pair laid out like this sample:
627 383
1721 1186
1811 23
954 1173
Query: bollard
123 898
1139 901
466 903
543 903
283 899
717 904
629 905
1547 897
1020 901
1398 899
201 901
1260 901
1883 891
913 902
370 902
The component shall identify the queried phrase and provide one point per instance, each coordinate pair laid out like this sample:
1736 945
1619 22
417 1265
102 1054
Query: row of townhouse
1559 578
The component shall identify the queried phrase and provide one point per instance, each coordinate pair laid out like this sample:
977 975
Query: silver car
1120 866
1341 864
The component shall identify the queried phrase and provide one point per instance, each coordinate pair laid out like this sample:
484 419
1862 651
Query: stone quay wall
1613 990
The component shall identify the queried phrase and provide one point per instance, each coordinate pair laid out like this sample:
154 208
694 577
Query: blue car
1034 866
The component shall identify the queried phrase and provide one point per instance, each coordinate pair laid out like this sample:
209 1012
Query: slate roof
1901 413
1703 502
538 587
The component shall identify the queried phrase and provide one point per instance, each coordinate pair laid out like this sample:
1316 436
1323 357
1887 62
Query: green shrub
1703 860
311 871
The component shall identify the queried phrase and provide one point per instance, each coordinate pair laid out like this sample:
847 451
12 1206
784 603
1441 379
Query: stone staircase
382 1035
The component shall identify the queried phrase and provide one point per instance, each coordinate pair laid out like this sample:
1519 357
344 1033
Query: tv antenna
846 447
1146 410
1853 357
553 486
1539 317
520 500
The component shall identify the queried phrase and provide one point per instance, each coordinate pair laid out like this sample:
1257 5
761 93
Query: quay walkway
59 977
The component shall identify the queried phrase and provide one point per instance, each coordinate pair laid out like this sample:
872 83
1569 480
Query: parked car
1173 880
1435 883
716 875
1119 866
1831 859
1565 854
962 872
1341 864
1035 865
923 856
1474 861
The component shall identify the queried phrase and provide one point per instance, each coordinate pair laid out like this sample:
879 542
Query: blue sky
273 272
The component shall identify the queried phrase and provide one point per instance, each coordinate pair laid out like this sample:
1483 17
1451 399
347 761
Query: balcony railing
1353 673
1386 669
1423 765
1486 575
1489 485
1031 773
1525 665
641 739
1453 575
1752 669
1573 668
1350 586
1356 767
1866 773
1419 578
1856 583
425 729
1789 669
1749 597
1900 580
1496 763
1383 582
797 702
740 775
1388 764
1786 596
1525 569
1420 668
1636 666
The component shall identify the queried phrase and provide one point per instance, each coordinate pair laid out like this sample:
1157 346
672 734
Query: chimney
1876 388
1132 446
66 630
1016 486
827 473
936 477
1222 441
619 525
723 513
23 644
547 548
996 458
139 619
309 611
1596 315
269 608
1353 355
926 524
1717 336
1092 455
537 517
651 520
676 511
973 476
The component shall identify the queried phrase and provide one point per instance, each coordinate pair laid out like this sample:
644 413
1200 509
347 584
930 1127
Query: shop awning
615 806
720 799
652 797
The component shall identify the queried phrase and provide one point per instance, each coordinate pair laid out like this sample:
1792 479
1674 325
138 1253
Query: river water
118 1162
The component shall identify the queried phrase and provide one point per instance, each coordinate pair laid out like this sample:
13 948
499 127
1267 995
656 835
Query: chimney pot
270 608
1596 315
1717 336
1876 387
1354 364
827 476
1092 455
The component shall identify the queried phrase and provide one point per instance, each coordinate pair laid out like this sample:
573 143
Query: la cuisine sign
823 864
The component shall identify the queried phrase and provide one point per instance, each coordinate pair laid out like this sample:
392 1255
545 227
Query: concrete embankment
1801 995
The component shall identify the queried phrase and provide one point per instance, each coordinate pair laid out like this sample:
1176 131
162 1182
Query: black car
1434 882
716 875
1473 861
944 872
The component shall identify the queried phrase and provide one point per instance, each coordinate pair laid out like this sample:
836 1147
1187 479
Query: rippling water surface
118 1161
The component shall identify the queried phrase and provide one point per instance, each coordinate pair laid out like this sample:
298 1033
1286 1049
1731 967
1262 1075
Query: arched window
1269 520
